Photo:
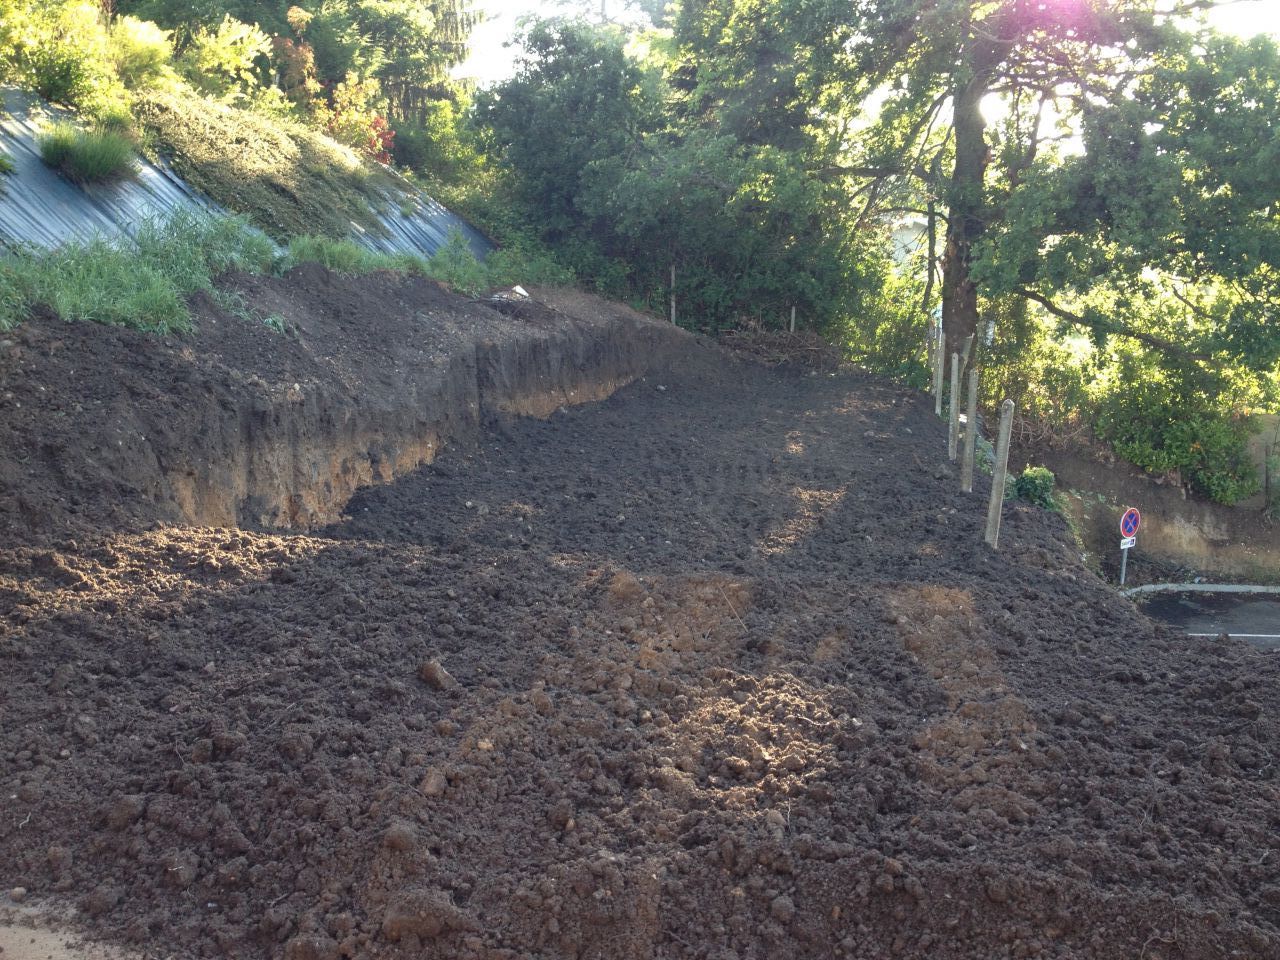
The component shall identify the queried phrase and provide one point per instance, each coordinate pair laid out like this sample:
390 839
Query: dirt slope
716 668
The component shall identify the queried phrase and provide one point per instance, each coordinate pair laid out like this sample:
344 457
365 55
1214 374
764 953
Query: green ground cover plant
454 264
142 285
289 179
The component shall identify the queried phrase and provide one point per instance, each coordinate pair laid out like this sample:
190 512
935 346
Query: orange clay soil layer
715 668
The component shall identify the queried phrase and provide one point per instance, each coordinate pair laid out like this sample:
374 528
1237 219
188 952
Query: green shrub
61 51
1180 420
58 73
226 60
1035 485
87 156
887 333
520 264
6 164
456 266
140 51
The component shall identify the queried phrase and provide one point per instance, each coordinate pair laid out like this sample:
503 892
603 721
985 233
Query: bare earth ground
716 668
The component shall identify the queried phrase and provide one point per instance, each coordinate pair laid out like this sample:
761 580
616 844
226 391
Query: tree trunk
965 226
982 55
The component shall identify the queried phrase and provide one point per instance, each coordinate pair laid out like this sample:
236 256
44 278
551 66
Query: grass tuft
340 256
87 156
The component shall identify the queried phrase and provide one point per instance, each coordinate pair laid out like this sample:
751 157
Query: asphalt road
1251 617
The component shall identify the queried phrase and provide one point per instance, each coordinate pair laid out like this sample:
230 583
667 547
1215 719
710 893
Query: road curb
1199 588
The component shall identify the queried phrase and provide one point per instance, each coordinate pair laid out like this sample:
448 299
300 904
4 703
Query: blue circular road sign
1130 522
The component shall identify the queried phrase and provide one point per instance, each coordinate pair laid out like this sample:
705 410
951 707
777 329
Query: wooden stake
939 353
997 480
970 435
673 293
930 361
793 318
953 428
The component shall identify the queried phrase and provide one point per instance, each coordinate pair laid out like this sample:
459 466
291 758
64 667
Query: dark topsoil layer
716 668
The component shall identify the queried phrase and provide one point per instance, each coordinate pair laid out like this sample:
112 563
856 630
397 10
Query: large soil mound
716 668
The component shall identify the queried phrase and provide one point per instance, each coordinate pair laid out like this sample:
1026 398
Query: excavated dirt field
717 667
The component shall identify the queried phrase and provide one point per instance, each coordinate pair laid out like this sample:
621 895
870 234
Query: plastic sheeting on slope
41 208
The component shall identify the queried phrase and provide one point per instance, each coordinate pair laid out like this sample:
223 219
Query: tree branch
1151 340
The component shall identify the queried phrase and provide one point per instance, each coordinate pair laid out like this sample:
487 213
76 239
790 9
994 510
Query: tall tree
1075 146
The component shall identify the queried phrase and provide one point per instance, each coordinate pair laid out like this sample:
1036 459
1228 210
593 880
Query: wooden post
953 429
673 293
970 435
997 479
930 361
793 318
939 352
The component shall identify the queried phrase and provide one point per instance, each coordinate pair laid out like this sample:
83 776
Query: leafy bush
140 51
87 156
525 264
58 73
226 60
1035 485
60 50
6 164
356 120
1180 419
887 334
456 266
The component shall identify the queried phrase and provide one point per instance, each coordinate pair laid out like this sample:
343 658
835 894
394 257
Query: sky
492 62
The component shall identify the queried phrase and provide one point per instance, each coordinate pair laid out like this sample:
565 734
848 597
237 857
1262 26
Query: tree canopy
1096 158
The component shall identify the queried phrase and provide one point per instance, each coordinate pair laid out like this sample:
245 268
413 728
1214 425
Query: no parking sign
1129 524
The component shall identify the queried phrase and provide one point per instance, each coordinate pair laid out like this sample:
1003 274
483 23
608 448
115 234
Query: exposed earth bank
360 381
716 668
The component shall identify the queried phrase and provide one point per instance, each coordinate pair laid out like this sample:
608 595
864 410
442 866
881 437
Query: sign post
1129 524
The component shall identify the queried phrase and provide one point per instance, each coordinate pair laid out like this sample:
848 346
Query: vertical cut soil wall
241 424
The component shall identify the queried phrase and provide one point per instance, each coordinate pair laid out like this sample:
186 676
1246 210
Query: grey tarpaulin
41 208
